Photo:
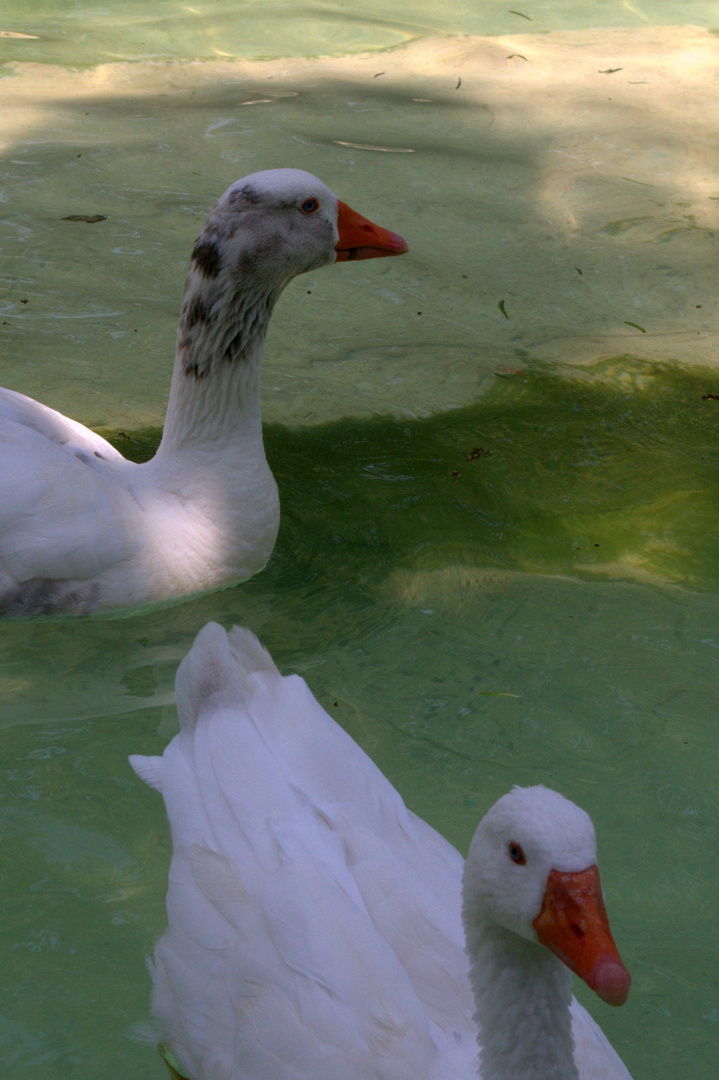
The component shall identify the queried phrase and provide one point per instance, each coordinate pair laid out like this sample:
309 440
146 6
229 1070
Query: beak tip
394 244
611 981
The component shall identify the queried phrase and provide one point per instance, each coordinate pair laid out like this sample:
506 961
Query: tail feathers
209 668
249 654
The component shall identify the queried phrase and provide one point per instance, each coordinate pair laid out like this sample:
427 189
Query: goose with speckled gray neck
81 527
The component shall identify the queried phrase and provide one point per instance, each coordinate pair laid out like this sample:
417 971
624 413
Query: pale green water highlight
77 33
547 615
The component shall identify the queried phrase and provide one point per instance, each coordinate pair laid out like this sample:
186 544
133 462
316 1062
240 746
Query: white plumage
314 922
83 528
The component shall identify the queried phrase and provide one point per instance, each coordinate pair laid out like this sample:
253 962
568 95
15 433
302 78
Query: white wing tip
209 668
248 652
218 662
148 769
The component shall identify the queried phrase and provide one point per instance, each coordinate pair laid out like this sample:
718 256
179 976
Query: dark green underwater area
606 472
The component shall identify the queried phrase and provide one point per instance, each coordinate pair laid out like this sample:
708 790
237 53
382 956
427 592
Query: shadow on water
609 473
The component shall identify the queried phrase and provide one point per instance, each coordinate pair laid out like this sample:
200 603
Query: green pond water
499 554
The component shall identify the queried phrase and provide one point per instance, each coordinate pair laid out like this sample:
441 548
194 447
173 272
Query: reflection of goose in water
315 929
83 528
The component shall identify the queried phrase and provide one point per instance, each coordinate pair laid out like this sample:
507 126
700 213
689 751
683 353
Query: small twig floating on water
91 219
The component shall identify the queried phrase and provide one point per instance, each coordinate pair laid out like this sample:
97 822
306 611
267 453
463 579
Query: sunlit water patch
79 33
560 206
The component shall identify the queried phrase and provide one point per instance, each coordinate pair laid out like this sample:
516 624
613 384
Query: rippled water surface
497 456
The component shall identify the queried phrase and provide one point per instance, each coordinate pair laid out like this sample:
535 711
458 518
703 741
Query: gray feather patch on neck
220 320
227 303
253 243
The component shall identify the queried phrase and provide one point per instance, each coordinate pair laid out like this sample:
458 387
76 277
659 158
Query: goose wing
64 512
595 1056
284 955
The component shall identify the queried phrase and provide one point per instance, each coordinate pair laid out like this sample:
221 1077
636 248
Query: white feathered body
83 528
314 924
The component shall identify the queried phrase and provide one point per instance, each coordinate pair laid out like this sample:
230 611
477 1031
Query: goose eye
516 854
309 206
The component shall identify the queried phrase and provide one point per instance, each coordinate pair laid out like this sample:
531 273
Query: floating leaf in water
89 218
477 452
383 149
500 305
496 693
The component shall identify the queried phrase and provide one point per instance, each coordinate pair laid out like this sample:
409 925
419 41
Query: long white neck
214 503
215 393
522 995
213 412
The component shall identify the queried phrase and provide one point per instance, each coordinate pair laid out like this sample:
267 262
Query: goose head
266 229
532 870
283 222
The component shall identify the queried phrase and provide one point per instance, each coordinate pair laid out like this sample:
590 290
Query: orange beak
573 923
361 239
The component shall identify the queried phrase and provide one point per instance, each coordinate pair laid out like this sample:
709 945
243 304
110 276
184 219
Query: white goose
81 527
315 925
